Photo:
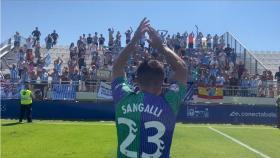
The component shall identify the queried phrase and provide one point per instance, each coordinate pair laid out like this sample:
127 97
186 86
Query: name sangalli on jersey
140 107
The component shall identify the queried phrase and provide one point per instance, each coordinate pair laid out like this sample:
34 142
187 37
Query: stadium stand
218 61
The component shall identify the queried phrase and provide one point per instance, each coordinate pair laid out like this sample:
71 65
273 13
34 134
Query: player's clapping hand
142 28
154 38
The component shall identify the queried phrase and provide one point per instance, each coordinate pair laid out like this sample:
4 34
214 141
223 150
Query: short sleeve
175 95
120 89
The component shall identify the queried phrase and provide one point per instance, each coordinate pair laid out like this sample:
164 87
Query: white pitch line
240 143
230 127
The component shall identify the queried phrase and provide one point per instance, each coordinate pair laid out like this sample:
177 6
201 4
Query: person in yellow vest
26 104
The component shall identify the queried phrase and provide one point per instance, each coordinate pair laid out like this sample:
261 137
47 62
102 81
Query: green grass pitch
65 139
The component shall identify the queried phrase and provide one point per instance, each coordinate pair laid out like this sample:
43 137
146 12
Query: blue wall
71 110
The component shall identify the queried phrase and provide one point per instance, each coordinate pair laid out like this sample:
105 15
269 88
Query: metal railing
45 89
252 64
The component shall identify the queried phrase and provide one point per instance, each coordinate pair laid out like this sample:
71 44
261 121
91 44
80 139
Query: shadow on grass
10 124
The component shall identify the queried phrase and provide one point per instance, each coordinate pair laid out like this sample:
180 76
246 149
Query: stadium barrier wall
194 113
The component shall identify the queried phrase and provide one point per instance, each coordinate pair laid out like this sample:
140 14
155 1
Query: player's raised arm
121 61
178 65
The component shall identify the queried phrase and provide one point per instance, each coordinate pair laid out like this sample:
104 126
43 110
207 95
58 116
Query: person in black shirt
277 77
89 40
36 34
54 37
101 42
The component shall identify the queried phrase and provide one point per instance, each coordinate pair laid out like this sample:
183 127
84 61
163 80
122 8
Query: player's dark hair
150 73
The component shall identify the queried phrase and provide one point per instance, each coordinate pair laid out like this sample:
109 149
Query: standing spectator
49 42
29 54
72 50
101 42
37 50
128 35
81 62
92 77
142 41
17 39
13 71
84 39
208 40
36 35
75 77
55 76
240 69
44 82
58 64
95 39
89 40
215 41
111 37
162 35
270 84
65 77
80 42
54 36
118 39
198 40
191 40
228 51
72 65
277 77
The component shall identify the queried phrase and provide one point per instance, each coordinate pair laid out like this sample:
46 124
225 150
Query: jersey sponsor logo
140 107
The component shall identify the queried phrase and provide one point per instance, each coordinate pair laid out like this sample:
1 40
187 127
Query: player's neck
152 90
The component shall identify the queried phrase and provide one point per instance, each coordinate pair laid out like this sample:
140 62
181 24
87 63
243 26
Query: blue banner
63 92
71 110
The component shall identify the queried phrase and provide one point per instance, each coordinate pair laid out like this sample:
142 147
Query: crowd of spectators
210 62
